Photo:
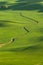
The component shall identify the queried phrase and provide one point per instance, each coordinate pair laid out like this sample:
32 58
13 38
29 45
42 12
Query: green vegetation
23 21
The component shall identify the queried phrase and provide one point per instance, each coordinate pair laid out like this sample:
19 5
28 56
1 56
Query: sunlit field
23 21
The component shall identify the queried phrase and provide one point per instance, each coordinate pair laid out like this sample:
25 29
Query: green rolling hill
23 21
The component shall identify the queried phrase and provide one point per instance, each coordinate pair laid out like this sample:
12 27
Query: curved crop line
29 18
26 29
18 22
23 48
7 21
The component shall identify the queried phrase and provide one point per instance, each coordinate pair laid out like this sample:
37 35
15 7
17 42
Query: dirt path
4 44
1 45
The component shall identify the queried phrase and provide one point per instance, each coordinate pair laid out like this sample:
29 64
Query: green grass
27 48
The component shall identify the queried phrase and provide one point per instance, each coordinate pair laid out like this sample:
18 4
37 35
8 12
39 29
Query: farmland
23 21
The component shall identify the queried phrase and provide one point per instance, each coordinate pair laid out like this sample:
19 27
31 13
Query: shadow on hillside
37 39
21 6
40 30
3 5
33 1
40 39
3 23
28 48
26 6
